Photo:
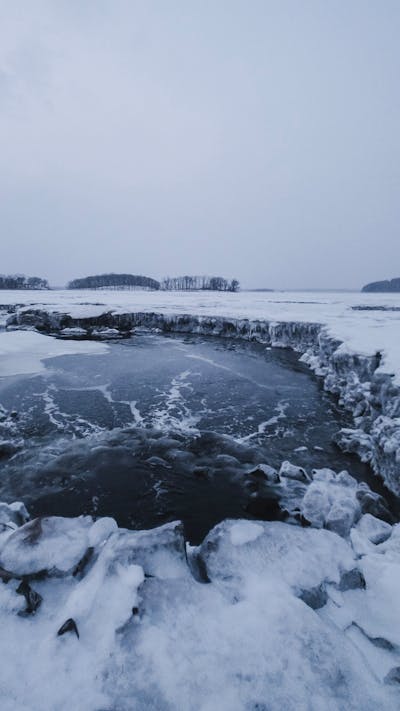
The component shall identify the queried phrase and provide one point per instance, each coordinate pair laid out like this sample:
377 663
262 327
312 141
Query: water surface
165 427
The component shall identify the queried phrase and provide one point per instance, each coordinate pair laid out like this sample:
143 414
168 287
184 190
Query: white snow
152 637
299 557
23 352
331 501
54 544
244 532
364 332
373 529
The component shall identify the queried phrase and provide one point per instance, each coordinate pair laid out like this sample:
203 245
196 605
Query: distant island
392 285
20 281
115 281
134 281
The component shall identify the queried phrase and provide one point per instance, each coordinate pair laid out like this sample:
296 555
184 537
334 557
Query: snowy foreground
262 615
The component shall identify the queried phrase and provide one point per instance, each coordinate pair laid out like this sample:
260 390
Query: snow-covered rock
15 513
328 500
264 472
374 529
101 530
316 504
331 501
373 503
342 515
106 333
135 629
161 552
301 557
74 332
55 545
290 471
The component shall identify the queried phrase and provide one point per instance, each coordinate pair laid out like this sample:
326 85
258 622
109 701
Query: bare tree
202 283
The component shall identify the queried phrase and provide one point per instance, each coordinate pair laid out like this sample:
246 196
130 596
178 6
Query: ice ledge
358 380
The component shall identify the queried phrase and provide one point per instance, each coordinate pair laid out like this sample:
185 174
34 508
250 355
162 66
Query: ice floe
23 352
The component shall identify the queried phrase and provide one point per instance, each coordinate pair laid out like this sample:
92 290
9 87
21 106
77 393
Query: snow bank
366 323
129 626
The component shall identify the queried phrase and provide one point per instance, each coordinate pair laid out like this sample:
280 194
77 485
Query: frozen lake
160 428
169 424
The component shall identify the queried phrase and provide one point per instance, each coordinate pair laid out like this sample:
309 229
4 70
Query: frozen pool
160 428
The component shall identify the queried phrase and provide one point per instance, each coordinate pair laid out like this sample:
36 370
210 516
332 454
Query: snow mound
299 557
53 544
130 627
244 532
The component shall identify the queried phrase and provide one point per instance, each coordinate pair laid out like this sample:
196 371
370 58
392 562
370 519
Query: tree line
132 281
202 283
114 281
390 286
20 281
126 281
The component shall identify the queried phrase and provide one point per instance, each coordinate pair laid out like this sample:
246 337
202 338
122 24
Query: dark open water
161 428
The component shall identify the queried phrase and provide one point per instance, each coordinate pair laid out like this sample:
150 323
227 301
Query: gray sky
252 138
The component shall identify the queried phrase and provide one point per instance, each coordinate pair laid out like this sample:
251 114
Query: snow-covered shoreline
261 614
363 323
351 340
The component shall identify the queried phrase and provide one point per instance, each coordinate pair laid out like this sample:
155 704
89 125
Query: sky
255 139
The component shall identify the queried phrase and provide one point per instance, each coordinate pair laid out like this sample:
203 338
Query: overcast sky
257 139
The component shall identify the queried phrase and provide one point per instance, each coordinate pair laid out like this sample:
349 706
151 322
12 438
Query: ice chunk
300 557
331 501
373 503
54 544
373 528
20 511
161 551
292 472
345 479
342 515
22 352
101 530
15 512
264 472
106 333
360 544
324 474
316 504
